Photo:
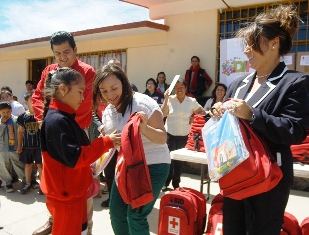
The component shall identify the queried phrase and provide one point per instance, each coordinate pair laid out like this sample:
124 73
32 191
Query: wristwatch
253 117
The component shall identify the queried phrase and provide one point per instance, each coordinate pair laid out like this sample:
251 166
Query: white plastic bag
224 145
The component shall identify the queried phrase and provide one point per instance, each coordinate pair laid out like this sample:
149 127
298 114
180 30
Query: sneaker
35 184
9 188
26 189
105 203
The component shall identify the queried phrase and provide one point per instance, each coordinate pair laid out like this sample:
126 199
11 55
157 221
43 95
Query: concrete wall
14 65
193 34
147 54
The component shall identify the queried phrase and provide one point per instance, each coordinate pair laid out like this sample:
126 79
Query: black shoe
165 189
102 178
26 189
35 184
14 180
105 203
40 191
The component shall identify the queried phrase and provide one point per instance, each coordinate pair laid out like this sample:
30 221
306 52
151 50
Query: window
230 20
99 59
95 59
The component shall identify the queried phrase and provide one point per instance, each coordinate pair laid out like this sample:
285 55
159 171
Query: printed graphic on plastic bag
225 148
99 165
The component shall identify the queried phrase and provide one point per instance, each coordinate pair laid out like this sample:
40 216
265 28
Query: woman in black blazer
275 101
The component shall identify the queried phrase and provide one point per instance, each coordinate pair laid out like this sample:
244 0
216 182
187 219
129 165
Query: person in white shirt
17 108
178 109
112 85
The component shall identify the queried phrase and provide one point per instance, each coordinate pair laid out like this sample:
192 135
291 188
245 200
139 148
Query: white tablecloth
189 156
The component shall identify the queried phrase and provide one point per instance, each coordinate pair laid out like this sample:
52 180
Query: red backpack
182 212
257 174
195 141
201 201
304 226
215 216
290 225
132 173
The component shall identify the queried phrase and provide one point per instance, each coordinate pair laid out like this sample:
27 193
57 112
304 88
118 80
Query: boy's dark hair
29 82
7 89
60 37
27 95
5 105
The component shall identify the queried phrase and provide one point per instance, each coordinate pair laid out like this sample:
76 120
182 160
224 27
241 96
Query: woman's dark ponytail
47 96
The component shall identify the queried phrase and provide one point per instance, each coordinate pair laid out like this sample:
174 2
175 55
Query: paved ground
22 214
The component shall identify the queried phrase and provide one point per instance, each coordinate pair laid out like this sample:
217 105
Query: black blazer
281 110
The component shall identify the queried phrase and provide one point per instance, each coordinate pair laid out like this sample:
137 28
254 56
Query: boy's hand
19 150
116 138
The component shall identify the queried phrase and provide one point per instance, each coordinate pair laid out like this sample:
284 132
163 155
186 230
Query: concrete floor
22 214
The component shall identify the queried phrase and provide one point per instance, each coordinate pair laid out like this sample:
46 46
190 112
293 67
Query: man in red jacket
64 49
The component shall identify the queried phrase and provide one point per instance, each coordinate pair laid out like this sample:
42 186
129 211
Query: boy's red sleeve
38 97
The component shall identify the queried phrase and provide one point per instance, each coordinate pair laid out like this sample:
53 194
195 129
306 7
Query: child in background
29 146
67 152
8 146
17 108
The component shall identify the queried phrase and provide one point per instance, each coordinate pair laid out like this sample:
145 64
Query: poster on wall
233 62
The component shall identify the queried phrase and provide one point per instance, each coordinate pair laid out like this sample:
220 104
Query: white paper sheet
171 88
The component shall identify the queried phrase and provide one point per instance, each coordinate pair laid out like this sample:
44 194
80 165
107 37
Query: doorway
36 68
